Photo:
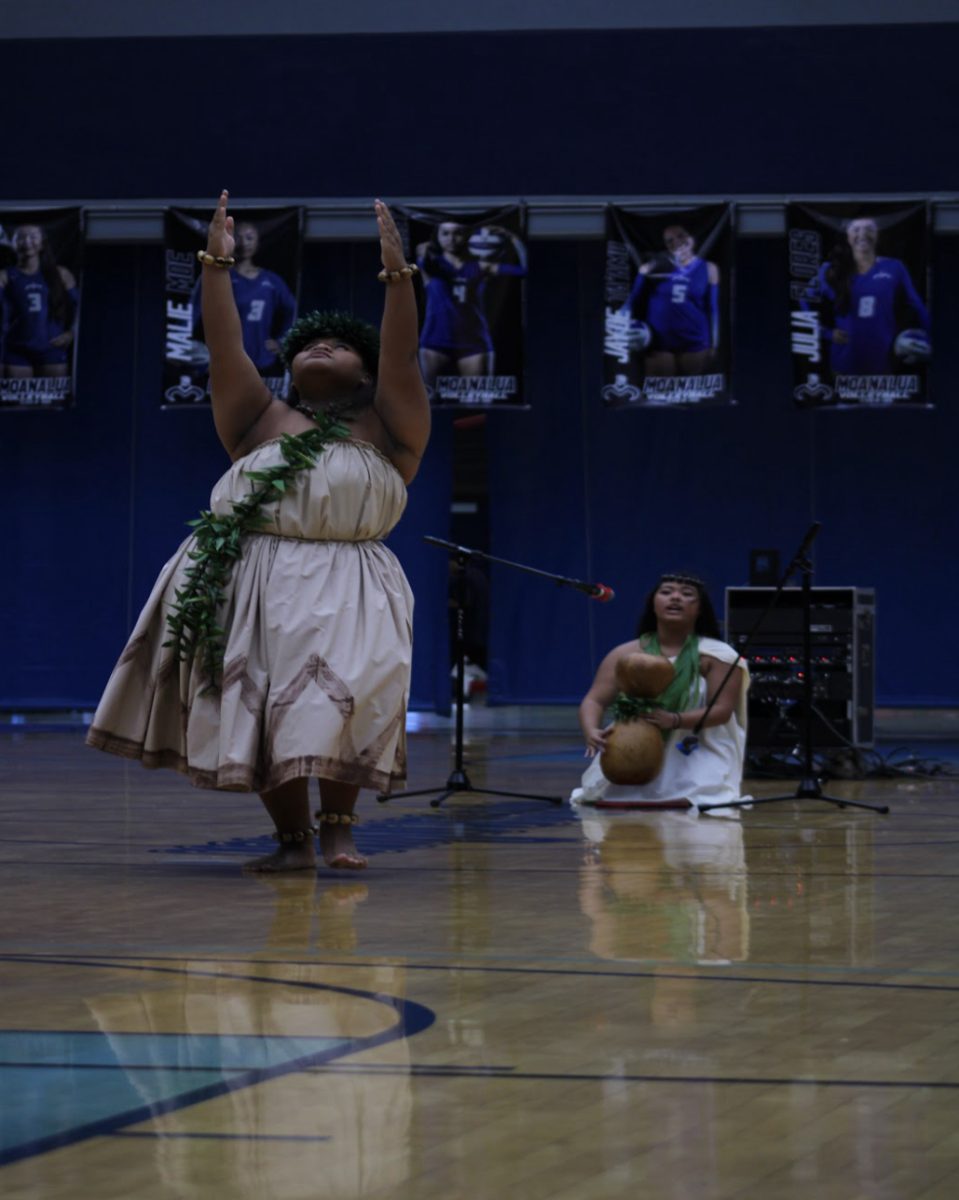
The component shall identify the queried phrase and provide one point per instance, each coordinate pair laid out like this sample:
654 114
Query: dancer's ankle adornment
292 836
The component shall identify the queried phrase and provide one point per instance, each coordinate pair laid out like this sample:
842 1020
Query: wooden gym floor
513 1001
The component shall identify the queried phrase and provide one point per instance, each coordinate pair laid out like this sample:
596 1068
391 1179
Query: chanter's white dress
710 774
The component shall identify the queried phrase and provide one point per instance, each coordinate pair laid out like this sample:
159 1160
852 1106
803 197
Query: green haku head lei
363 337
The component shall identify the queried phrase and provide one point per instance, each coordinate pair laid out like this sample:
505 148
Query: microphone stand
809 787
458 780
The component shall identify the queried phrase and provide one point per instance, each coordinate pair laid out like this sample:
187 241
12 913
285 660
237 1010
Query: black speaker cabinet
843 630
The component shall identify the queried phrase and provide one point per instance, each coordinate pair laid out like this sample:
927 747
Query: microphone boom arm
465 552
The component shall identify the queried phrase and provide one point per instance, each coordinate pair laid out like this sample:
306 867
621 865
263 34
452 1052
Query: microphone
596 591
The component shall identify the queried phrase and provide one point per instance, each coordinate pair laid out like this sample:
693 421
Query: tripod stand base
459 782
809 789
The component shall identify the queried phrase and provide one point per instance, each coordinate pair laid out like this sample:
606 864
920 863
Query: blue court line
224 861
413 1018
173 1068
497 821
224 1137
177 1069
879 985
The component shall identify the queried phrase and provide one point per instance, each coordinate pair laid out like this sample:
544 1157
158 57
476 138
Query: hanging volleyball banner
471 294
39 306
859 304
667 330
265 282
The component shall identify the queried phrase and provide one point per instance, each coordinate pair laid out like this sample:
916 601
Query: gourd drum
633 753
641 674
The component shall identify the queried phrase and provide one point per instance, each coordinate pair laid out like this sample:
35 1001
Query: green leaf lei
630 708
192 620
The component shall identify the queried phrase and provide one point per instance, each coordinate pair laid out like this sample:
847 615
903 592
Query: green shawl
678 697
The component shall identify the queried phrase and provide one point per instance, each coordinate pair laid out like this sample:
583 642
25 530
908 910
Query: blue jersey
28 325
266 307
882 302
454 323
678 307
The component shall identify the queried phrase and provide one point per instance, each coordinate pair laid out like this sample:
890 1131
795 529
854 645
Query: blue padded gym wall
101 492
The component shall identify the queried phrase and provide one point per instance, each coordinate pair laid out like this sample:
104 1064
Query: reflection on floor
516 999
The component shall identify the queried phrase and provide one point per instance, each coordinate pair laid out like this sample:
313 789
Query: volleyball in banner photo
40 254
860 332
265 282
667 318
471 293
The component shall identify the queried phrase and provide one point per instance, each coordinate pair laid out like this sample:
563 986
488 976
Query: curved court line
413 1018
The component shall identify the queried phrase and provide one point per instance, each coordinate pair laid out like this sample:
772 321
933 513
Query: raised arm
401 401
240 397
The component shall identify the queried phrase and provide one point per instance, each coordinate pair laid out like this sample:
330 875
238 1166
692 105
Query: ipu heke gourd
634 749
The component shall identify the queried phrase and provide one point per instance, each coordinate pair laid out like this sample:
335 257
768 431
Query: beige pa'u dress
318 616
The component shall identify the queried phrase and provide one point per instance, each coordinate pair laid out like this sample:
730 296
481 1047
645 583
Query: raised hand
220 240
391 244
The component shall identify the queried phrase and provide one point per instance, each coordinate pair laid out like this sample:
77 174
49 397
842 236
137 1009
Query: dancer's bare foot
288 856
336 842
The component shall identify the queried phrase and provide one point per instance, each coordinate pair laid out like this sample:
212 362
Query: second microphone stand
458 780
809 787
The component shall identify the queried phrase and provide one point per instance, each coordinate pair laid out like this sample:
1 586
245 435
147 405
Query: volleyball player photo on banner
265 280
471 293
39 306
859 304
667 324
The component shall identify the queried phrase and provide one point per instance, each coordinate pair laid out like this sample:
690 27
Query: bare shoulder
620 651
276 419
